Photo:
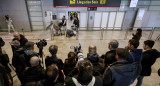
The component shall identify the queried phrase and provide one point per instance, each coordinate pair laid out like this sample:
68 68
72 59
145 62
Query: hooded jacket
94 59
135 55
148 59
120 73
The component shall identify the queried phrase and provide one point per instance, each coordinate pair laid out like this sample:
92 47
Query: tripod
41 55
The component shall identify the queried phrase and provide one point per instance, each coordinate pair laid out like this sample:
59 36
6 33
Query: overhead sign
86 3
133 3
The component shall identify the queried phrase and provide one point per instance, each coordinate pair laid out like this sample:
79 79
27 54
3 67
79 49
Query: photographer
55 60
84 76
93 57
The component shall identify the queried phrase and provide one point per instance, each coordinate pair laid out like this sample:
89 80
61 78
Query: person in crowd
55 60
138 34
135 54
69 63
20 38
29 52
120 73
18 60
109 57
5 76
9 23
52 74
93 57
5 79
4 59
34 73
76 22
63 21
84 77
148 59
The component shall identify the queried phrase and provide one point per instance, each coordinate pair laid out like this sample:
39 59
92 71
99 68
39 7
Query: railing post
23 31
101 37
126 34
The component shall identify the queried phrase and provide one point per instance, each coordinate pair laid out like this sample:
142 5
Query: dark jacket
4 77
84 80
120 73
68 67
136 37
55 60
97 67
109 57
33 74
22 41
4 60
135 55
148 59
28 54
76 22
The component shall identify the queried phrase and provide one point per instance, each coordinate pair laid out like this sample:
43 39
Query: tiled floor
86 38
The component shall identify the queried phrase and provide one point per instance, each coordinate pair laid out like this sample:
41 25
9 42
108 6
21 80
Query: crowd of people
117 67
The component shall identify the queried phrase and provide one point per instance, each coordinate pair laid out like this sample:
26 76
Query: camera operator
84 76
55 60
29 52
34 73
18 60
93 57
20 38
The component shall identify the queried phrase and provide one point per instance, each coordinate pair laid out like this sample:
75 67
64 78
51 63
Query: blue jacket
135 55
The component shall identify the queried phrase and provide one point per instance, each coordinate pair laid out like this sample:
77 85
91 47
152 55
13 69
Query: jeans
139 80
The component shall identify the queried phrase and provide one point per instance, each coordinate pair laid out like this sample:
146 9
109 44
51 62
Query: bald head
92 49
16 35
34 61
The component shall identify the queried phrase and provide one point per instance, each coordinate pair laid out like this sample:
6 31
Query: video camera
78 52
41 43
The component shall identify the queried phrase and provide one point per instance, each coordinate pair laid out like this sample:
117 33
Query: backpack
138 68
78 84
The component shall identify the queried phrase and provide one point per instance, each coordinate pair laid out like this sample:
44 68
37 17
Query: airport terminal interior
100 21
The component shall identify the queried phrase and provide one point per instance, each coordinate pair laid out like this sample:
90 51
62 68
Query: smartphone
72 47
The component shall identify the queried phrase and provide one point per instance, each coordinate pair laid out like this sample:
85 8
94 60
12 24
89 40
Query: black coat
109 57
33 74
148 59
4 60
22 41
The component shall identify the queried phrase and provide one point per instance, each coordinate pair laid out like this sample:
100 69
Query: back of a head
134 42
92 49
85 66
16 43
52 72
71 56
53 49
114 44
2 43
149 43
122 53
34 61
